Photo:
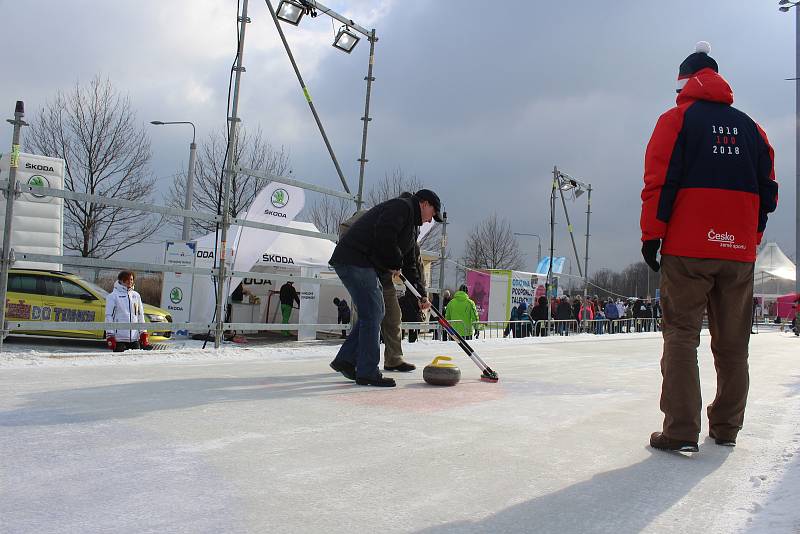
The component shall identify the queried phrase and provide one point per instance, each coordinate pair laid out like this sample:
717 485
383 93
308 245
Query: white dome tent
287 254
772 262
774 273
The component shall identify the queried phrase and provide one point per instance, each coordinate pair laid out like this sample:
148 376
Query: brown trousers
724 288
390 328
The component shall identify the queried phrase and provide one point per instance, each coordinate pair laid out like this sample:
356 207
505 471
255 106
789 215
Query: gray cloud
478 99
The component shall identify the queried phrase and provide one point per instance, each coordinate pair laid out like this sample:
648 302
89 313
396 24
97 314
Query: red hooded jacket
709 176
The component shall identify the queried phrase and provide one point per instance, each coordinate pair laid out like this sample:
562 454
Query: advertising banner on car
36 227
176 292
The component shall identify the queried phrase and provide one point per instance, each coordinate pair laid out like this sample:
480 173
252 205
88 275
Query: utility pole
586 255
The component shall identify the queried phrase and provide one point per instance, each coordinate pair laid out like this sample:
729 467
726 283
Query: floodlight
346 40
783 8
290 11
783 2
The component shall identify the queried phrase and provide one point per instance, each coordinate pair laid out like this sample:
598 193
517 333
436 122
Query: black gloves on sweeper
649 252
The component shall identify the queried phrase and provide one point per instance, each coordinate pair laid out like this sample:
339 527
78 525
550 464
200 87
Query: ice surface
269 439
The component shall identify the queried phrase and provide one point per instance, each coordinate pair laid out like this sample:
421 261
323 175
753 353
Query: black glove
649 252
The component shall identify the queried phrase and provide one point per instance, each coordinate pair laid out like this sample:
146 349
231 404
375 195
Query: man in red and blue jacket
709 183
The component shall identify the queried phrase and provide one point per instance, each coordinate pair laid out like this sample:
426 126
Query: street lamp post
786 5
564 182
539 246
187 203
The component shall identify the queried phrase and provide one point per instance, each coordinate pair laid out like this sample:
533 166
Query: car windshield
95 288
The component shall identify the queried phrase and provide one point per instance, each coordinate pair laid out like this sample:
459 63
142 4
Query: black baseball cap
433 199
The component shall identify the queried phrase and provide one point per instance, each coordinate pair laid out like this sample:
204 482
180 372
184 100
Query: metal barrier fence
13 189
528 328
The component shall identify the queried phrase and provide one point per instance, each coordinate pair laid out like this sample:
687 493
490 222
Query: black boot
379 381
659 441
403 367
348 370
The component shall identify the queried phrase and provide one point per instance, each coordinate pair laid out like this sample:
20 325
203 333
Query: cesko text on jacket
709 179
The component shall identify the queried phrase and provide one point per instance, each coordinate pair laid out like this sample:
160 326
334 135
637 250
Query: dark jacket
288 294
343 312
641 310
563 311
385 237
709 177
539 312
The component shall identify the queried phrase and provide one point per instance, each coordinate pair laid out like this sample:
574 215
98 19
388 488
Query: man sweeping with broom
382 240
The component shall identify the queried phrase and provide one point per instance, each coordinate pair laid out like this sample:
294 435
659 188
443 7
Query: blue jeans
362 347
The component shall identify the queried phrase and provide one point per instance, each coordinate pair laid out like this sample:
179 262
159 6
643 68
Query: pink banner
478 284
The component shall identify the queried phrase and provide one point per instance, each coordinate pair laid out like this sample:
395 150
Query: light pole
187 203
539 247
785 6
564 182
291 12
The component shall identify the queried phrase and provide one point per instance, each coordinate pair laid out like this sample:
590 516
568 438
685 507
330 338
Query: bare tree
391 186
95 131
251 151
492 245
327 213
635 280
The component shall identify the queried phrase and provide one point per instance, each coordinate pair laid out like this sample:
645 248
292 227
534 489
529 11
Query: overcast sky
477 99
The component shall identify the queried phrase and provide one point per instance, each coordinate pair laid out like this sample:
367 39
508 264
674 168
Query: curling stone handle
441 358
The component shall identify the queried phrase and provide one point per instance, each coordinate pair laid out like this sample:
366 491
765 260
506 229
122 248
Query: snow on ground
268 439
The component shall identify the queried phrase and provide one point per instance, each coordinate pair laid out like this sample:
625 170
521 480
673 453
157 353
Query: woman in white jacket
124 305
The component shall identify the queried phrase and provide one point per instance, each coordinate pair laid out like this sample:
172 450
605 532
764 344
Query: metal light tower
291 12
564 182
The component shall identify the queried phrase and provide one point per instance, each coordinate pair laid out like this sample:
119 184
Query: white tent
287 254
772 262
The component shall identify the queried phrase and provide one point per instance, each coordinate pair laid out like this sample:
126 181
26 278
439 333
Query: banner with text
176 292
276 204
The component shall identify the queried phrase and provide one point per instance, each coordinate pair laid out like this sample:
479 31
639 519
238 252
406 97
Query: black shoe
348 370
659 441
404 367
379 381
722 441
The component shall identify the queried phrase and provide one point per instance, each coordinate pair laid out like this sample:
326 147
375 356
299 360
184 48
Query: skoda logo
279 198
39 181
176 295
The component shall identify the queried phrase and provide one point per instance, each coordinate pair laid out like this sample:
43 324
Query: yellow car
42 295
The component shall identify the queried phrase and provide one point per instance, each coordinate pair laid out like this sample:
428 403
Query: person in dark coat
342 314
383 239
563 314
576 308
288 296
539 317
639 313
522 329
